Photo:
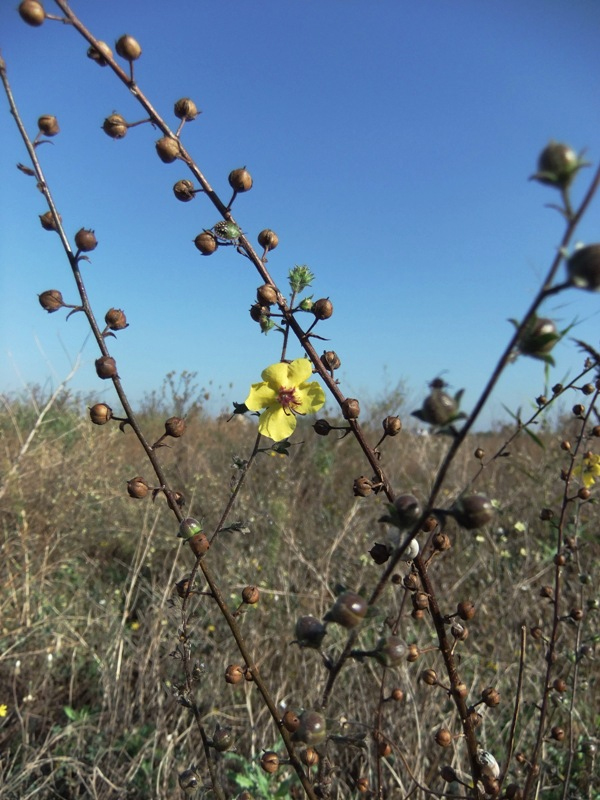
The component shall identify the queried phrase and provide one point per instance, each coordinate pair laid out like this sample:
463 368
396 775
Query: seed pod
99 53
309 757
250 595
557 733
407 510
312 729
85 240
448 774
362 785
330 360
584 267
441 542
290 721
390 651
397 695
206 243
392 426
184 190
189 781
32 12
473 511
351 408
186 109
258 312
429 676
100 413
168 149
349 610
309 632
479 453
539 337
51 300
491 696
115 319
459 632
269 762
465 609
266 295
47 221
438 407
48 125
443 737
222 739
323 308
413 653
106 367
420 600
115 126
557 165
379 553
362 487
199 544
268 239
234 674
240 180
322 428
175 427
128 48
137 488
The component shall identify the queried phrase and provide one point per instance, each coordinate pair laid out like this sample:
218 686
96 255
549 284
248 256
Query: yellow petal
311 397
261 395
276 424
276 375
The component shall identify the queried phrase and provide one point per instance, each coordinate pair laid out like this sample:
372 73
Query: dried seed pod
466 609
32 12
106 367
312 729
186 109
268 239
438 408
441 542
349 610
460 690
459 632
100 413
234 674
323 308
351 408
115 126
330 360
266 295
206 243
473 511
222 739
99 53
51 300
443 737
137 488
128 48
258 312
390 651
47 221
584 267
392 426
48 125
240 180
250 595
413 653
175 427
290 721
429 676
309 632
199 545
184 190
189 781
85 240
557 733
168 149
309 757
269 762
397 695
362 487
115 319
362 785
491 696
322 428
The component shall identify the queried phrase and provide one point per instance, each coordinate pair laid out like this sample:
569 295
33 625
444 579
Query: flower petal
299 371
276 424
276 375
261 395
310 396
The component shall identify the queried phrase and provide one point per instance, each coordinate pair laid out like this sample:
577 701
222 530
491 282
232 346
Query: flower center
287 399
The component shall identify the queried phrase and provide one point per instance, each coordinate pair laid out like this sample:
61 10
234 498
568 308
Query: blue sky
390 145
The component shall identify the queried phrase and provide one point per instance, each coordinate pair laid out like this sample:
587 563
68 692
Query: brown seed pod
578 410
128 48
413 653
290 721
448 774
115 319
331 360
322 428
429 676
351 408
106 367
312 729
397 695
32 12
268 239
557 165
100 413
199 544
48 125
269 762
309 632
349 610
443 737
51 300
379 553
184 190
168 149
309 757
384 749
266 295
441 542
362 785
466 609
420 600
85 240
560 685
175 427
240 180
222 740
362 487
460 632
186 109
206 242
250 595
234 674
323 308
137 488
473 511
557 733
392 426
491 696
460 690
47 221
479 453
99 53
115 126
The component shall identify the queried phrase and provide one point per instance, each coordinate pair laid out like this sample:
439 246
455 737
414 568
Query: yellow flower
3 710
282 394
589 470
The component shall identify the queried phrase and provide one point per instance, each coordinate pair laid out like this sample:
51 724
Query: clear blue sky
390 144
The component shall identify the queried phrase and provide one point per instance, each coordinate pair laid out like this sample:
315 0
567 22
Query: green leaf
535 438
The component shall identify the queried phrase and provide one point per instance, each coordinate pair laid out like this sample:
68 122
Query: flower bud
206 243
473 511
175 427
240 180
85 240
348 610
48 125
186 109
100 413
168 149
106 367
309 632
266 295
115 319
47 221
323 308
392 426
128 48
557 165
351 408
51 300
539 337
137 488
330 360
32 12
584 267
268 239
184 190
99 53
115 126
